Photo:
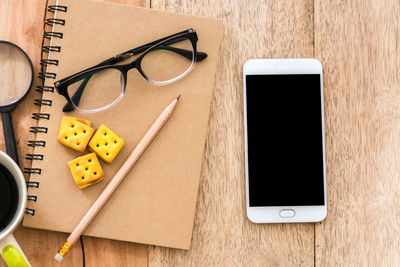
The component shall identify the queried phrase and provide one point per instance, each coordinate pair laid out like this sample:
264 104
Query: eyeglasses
102 86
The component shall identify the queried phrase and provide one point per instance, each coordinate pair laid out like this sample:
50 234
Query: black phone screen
285 140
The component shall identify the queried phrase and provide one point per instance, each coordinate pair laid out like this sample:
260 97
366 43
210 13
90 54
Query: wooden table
358 43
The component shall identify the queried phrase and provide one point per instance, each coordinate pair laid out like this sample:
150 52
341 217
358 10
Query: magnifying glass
16 78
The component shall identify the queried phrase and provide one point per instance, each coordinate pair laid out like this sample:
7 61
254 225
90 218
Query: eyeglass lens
164 63
97 90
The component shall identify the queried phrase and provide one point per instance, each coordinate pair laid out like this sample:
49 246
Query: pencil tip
179 96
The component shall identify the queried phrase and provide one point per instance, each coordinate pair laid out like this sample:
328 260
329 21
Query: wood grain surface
358 44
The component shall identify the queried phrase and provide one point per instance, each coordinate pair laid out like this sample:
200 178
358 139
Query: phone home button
287 213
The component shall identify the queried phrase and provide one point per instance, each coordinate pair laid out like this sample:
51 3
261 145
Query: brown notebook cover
155 204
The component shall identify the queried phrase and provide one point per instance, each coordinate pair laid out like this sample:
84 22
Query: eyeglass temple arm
77 95
183 52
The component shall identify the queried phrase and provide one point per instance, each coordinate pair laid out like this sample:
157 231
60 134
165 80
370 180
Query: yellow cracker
86 170
106 143
75 134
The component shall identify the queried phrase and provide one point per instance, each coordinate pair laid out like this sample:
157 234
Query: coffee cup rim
16 172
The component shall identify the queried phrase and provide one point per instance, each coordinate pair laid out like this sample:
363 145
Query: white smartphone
284 140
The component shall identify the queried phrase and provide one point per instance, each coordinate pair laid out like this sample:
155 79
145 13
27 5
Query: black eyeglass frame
190 34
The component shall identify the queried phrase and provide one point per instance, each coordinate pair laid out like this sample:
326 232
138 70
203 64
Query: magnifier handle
9 136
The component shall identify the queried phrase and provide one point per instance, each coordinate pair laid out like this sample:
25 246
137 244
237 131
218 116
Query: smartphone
284 140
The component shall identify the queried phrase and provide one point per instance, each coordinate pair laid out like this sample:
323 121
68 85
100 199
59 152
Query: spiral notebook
156 202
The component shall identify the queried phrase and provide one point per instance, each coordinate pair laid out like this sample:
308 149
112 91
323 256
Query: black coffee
8 197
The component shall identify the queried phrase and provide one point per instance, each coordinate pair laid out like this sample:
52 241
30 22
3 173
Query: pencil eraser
106 143
74 134
86 170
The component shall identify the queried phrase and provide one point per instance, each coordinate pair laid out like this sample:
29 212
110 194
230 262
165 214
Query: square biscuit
86 170
106 143
75 134
65 119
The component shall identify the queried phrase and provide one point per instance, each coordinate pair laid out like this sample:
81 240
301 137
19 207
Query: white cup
9 248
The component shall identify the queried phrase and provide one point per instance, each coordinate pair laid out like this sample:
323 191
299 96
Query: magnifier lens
15 74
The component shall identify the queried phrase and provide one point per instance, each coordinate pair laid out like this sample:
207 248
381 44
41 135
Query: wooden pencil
116 180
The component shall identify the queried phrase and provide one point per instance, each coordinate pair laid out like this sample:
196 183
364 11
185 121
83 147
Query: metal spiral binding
33 170
43 74
32 184
31 198
42 102
30 211
51 48
34 157
38 129
53 21
43 88
34 143
38 116
49 35
46 62
54 8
